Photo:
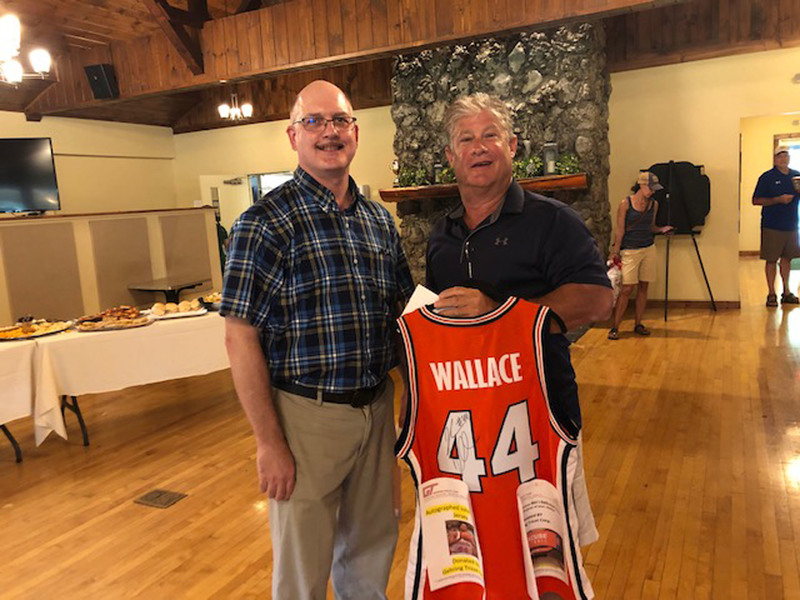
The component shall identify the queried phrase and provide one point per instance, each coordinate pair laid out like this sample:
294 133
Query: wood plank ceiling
88 24
177 59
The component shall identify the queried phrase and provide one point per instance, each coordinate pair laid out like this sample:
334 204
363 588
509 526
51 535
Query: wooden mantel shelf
547 183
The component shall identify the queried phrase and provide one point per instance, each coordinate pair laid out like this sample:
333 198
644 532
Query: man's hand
276 470
464 302
274 460
666 230
785 198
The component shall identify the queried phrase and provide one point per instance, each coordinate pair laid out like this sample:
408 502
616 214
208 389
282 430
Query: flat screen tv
27 175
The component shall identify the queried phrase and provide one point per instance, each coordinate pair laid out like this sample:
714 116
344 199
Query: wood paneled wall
301 34
700 29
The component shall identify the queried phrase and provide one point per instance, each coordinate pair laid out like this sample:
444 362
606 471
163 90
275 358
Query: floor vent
160 498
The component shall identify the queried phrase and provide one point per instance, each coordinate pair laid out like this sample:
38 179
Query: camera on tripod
685 200
684 203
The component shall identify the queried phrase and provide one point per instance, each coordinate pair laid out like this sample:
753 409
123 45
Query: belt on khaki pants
355 398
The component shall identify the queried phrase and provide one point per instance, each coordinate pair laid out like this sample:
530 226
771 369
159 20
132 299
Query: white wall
692 111
264 147
103 166
234 199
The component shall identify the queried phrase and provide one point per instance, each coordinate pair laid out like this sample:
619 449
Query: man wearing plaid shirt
314 278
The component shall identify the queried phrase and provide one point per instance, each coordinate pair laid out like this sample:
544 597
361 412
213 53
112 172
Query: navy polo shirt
771 184
530 246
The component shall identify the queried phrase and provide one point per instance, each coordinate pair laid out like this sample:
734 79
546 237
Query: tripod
672 179
702 268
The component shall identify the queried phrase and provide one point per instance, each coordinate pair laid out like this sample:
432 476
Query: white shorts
638 264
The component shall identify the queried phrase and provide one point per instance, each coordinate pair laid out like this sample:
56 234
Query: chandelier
11 70
233 111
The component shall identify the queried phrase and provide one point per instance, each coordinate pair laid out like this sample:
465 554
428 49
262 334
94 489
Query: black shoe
772 300
613 333
640 329
789 298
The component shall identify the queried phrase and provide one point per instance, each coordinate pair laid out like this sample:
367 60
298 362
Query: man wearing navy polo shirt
776 196
504 241
314 277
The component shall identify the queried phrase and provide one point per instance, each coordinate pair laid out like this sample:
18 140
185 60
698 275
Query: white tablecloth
16 379
80 363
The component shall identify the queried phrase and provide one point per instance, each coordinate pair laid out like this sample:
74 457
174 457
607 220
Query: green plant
448 175
411 176
568 164
527 167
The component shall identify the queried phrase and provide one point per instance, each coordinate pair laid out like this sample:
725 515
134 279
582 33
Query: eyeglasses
317 124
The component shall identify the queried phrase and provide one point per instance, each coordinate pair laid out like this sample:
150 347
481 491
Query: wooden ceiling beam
199 11
248 5
194 17
186 43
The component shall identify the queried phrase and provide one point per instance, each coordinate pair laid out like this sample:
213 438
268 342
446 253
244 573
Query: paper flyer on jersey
543 533
449 538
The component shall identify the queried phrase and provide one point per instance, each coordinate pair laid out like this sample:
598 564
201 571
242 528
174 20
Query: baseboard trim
749 253
675 304
721 304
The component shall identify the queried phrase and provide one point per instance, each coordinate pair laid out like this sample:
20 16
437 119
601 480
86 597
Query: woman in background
636 226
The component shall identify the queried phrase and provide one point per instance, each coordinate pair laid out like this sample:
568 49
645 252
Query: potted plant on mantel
414 183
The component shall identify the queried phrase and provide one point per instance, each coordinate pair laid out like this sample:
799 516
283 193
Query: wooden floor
692 447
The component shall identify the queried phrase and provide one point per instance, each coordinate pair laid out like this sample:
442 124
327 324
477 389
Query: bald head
325 153
316 92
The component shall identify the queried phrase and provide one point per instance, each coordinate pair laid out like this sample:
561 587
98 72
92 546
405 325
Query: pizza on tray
32 329
119 317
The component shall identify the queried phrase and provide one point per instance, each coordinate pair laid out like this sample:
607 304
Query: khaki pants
341 511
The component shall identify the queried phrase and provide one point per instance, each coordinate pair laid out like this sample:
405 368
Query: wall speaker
103 81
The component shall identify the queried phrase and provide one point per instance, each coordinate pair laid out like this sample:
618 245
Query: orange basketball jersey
479 412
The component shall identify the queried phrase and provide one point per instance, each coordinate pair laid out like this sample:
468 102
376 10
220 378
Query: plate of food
32 329
212 301
170 310
119 317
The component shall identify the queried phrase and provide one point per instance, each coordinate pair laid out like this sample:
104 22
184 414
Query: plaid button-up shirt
322 285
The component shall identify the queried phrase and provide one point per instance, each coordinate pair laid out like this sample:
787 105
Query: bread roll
171 307
158 309
185 306
195 305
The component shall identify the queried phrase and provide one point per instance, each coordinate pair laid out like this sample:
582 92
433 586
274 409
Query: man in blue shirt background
776 195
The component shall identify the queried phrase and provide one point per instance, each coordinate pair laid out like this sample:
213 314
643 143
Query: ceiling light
9 37
40 60
11 70
234 112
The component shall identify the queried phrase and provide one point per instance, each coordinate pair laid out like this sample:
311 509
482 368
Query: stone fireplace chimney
556 84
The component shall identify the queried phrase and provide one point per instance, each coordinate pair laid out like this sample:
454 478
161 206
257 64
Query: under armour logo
498 241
